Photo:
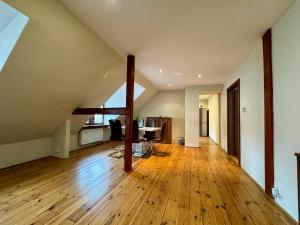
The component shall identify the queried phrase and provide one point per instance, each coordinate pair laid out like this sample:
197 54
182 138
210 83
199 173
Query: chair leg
149 147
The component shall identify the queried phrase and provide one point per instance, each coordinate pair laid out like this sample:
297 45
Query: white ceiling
183 37
204 97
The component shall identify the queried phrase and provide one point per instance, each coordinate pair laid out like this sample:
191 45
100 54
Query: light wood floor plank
192 186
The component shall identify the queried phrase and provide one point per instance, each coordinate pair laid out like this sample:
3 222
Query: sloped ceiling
185 38
57 65
97 96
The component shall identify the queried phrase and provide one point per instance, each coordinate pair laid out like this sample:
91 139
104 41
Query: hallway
189 186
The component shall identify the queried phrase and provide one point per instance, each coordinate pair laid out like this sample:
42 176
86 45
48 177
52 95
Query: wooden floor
188 186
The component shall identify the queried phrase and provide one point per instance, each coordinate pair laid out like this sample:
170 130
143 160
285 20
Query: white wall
21 152
57 55
203 103
286 75
13 154
61 141
167 104
192 111
214 118
74 145
251 74
286 80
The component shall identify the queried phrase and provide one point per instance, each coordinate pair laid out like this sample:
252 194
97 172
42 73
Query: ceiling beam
100 111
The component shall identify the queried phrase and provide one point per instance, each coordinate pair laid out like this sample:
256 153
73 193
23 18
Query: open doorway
204 122
203 116
209 117
233 121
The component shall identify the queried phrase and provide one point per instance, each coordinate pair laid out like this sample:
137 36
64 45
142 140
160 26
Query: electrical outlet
277 192
57 149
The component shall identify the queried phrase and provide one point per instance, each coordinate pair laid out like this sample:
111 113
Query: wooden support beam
129 114
101 111
298 183
269 115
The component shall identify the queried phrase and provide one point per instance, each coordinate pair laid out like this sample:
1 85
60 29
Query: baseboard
24 163
87 145
271 199
83 147
285 212
22 152
262 189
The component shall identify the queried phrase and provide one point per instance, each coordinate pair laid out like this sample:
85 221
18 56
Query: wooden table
150 129
142 130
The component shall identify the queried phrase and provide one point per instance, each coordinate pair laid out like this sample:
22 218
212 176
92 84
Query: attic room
149 112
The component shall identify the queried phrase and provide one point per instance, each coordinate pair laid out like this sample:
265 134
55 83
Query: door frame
235 85
207 128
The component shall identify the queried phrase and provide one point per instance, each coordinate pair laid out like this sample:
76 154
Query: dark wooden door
233 120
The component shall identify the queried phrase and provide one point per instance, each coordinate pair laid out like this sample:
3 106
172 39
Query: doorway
209 116
204 122
233 121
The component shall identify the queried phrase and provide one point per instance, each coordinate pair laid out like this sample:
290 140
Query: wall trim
272 199
261 188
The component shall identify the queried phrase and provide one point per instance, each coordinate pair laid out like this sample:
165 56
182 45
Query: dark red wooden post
269 115
298 182
129 113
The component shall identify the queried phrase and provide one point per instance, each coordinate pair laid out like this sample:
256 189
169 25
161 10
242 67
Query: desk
150 129
142 130
146 128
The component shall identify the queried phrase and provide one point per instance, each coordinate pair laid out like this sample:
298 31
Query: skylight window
12 24
117 100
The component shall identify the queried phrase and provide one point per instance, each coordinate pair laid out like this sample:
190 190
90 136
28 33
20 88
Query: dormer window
117 100
12 24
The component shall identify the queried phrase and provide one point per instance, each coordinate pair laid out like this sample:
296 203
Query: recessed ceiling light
199 76
170 85
161 71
